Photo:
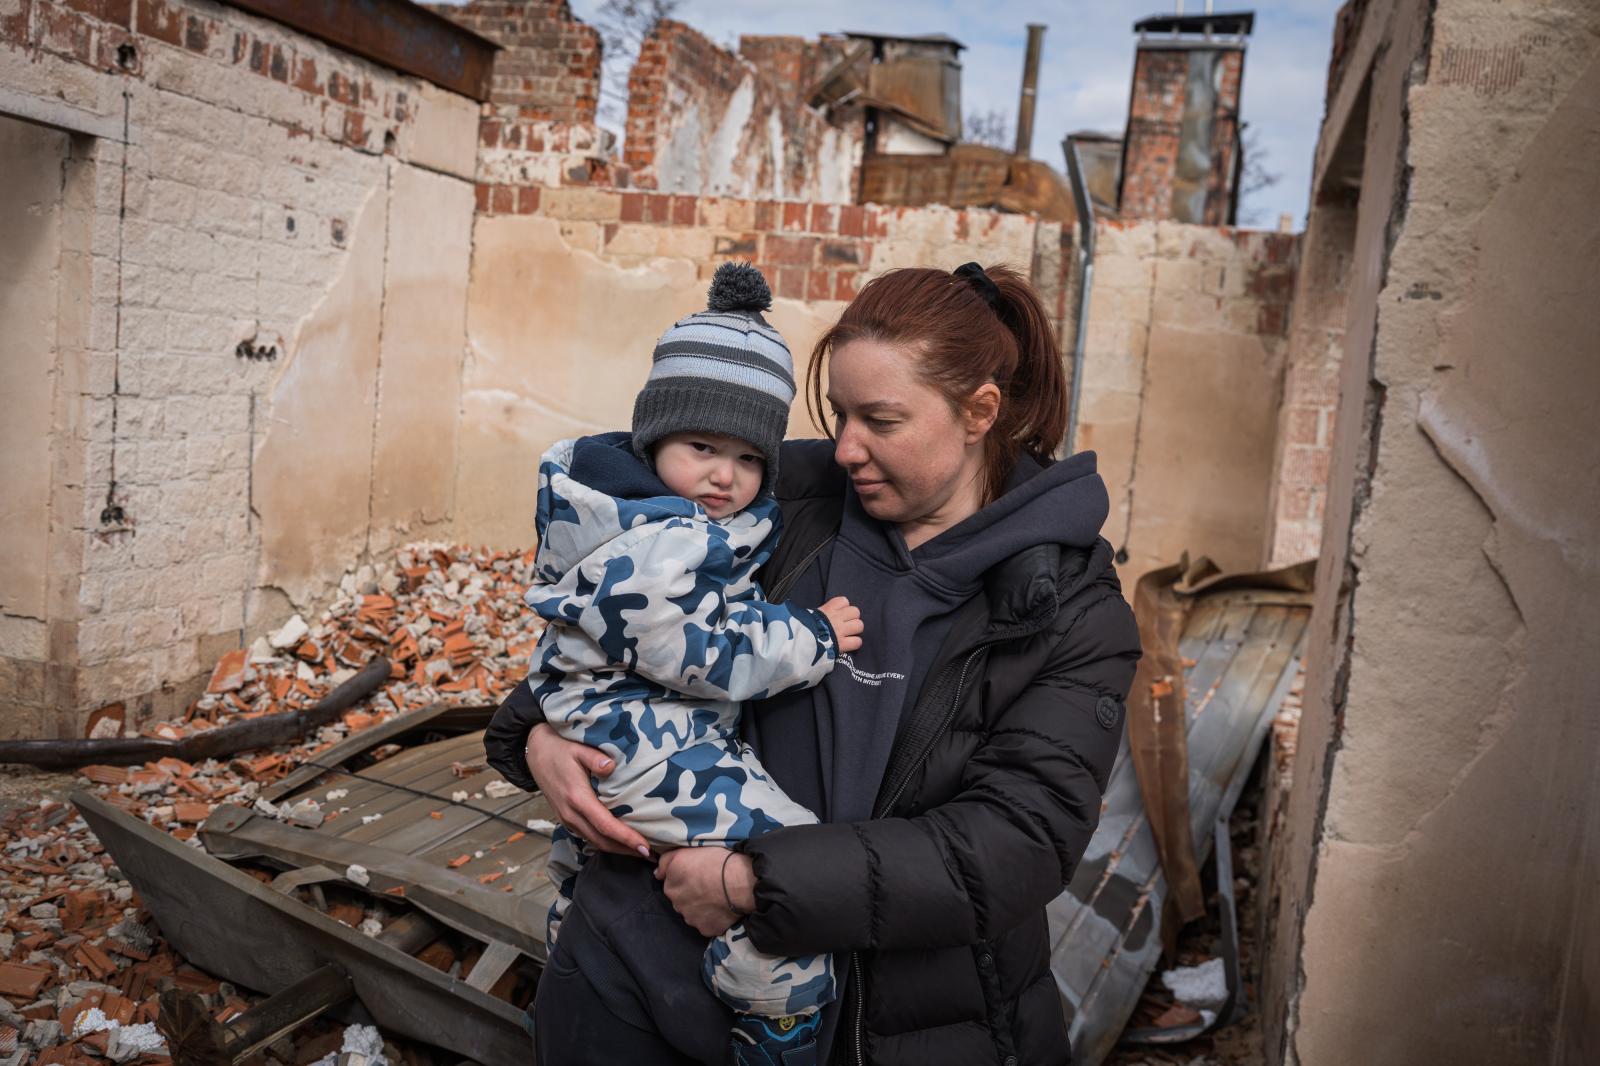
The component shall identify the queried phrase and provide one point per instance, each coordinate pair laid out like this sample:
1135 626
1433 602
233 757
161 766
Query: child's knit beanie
721 370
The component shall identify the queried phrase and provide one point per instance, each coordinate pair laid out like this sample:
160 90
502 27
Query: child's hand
846 622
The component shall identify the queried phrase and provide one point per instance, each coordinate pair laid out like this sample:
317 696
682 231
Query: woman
957 759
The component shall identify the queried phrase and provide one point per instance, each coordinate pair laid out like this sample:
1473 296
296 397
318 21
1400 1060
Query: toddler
648 547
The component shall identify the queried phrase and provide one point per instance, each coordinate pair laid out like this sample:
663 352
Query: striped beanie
721 370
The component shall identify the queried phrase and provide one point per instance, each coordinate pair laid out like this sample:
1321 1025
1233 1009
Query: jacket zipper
859 1025
859 993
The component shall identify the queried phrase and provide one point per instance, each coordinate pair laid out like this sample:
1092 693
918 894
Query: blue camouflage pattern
657 632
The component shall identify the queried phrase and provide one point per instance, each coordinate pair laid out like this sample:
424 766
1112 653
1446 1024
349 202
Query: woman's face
911 457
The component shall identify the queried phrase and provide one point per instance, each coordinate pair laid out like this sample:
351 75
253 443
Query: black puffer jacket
991 794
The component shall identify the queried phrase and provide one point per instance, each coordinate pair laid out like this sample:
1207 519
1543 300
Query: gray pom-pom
738 287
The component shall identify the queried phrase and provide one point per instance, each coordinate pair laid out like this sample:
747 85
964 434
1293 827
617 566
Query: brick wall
1311 383
1155 123
704 121
550 63
209 263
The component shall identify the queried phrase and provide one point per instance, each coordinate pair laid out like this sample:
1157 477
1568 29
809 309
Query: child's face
721 474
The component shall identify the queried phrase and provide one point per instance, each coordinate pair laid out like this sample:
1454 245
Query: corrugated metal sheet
1245 645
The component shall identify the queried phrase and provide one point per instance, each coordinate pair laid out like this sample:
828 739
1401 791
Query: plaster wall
566 305
1438 887
1182 376
31 160
238 178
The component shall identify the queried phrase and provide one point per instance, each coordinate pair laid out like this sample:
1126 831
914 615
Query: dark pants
573 1026
623 984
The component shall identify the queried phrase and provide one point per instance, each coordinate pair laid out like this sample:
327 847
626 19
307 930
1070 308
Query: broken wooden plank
236 927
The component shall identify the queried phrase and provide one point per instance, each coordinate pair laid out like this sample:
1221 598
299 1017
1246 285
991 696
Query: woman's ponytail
967 331
1033 405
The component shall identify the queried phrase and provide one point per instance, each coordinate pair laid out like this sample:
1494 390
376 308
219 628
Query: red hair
959 343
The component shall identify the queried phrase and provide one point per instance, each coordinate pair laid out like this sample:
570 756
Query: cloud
1085 66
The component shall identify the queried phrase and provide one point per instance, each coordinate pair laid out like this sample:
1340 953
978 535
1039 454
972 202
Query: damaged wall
1182 377
569 298
233 179
549 66
1436 897
705 122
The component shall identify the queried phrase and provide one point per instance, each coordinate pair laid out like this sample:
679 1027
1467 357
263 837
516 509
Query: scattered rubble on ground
81 963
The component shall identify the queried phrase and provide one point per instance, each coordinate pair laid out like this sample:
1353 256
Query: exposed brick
527 199
737 246
791 251
795 217
117 12
14 23
1300 425
824 218
633 206
503 200
355 128
196 36
842 253
766 216
66 33
305 75
160 20
819 285
845 284
683 210
791 283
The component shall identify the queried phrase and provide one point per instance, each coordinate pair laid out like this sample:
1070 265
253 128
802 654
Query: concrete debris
362 1046
291 634
1202 987
81 961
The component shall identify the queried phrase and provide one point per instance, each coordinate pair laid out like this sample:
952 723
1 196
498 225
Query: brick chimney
1181 157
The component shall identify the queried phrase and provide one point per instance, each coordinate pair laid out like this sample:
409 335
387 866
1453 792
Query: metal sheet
396 33
1244 647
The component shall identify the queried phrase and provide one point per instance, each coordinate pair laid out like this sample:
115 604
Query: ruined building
280 292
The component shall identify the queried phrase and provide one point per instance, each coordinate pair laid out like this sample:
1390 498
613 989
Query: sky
1085 68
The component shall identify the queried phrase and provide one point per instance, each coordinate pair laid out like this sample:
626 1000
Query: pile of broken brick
81 962
450 619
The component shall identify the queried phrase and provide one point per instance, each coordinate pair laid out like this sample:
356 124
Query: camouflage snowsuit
657 632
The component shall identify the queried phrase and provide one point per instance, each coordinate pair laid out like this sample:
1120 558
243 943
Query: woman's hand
562 768
694 879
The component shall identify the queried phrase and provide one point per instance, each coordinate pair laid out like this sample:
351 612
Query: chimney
1030 83
1180 151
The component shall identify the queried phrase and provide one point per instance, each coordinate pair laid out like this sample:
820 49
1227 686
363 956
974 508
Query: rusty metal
396 33
1244 635
1030 86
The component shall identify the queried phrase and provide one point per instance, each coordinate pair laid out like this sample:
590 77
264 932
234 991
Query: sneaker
787 1041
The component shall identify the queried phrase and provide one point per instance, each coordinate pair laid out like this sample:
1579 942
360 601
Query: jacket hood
592 490
1062 504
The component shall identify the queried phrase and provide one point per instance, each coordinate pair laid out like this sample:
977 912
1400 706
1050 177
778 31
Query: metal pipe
1030 84
1085 210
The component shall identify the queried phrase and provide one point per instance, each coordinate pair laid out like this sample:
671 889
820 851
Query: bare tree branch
992 127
